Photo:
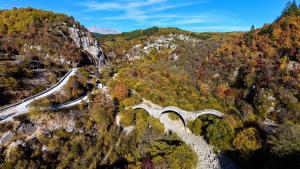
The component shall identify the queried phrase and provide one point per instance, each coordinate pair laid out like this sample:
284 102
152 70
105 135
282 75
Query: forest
84 136
252 77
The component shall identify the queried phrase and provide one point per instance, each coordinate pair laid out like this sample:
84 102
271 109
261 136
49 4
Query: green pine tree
291 9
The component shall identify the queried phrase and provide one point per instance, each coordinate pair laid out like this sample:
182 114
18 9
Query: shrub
233 121
127 117
10 83
131 101
120 91
196 126
102 110
286 141
220 134
40 103
170 152
247 140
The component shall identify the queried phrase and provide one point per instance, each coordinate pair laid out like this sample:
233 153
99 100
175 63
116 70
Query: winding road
69 104
207 159
9 112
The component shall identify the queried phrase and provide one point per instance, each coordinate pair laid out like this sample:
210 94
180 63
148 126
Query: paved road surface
20 108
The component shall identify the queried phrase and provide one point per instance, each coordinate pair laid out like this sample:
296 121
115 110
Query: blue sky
194 15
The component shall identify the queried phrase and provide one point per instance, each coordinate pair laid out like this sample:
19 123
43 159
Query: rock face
26 128
6 137
83 39
169 41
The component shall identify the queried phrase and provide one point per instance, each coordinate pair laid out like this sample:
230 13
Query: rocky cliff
51 37
84 40
38 47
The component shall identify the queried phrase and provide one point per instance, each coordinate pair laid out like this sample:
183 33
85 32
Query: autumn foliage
120 91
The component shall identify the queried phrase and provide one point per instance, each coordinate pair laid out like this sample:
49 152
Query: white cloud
155 13
131 10
94 6
222 28
204 18
172 6
123 5
139 11
144 3
103 30
177 20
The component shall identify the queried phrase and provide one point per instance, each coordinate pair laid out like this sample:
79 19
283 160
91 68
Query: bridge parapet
152 111
185 116
206 112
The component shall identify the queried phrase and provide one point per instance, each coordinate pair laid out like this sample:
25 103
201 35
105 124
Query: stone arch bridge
185 116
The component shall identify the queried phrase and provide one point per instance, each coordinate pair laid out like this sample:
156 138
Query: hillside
75 124
252 77
262 69
257 78
37 48
130 100
116 46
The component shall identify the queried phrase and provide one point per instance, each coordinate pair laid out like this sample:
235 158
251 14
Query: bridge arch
206 112
177 113
142 108
184 116
146 108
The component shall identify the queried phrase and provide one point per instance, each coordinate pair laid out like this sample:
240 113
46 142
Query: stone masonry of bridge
207 158
184 115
